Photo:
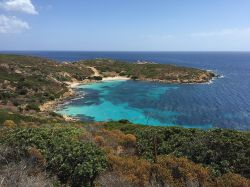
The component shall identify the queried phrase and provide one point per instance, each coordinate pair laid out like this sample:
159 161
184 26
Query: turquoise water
116 100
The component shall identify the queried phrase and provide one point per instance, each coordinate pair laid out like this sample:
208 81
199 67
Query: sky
125 25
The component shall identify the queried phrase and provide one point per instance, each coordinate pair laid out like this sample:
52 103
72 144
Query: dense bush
19 118
73 161
16 103
180 171
134 77
220 149
223 150
5 95
23 91
98 78
33 106
232 180
168 171
133 170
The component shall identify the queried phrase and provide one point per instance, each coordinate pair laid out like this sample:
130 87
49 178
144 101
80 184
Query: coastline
50 106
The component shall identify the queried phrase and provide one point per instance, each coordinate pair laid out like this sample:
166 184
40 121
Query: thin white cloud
159 37
11 24
25 6
224 32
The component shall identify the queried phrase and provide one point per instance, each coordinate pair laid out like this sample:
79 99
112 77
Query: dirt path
96 72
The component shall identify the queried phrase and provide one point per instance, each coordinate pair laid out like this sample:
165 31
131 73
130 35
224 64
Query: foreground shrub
23 175
18 171
131 169
75 162
168 171
180 171
222 150
232 180
111 179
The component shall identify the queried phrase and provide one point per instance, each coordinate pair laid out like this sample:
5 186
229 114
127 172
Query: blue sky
128 25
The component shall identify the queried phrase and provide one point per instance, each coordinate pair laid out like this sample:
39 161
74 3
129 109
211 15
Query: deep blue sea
224 103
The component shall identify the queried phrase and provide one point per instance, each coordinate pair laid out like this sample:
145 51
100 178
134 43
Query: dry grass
18 171
23 175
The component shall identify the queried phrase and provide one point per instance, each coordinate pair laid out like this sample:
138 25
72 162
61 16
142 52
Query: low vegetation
59 151
118 154
149 71
221 150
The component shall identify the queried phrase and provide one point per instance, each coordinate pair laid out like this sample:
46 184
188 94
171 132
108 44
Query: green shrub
124 121
73 161
122 74
134 77
98 78
17 117
222 150
54 114
52 97
33 106
5 95
16 103
23 91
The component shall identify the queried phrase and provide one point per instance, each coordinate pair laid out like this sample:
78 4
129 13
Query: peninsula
149 71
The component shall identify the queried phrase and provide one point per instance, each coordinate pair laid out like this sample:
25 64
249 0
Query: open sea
224 103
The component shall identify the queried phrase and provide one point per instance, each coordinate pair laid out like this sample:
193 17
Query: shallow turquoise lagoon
136 101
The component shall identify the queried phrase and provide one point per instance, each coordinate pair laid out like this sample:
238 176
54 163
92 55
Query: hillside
40 148
26 82
150 71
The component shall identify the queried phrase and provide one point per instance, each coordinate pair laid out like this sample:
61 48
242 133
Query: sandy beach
51 105
116 78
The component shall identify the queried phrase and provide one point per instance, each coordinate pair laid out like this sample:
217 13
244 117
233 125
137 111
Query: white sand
73 84
115 78
77 83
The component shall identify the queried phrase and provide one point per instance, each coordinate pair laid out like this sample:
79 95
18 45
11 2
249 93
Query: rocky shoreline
70 94
51 106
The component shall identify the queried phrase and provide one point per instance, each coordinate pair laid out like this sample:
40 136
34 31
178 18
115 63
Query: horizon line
208 51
